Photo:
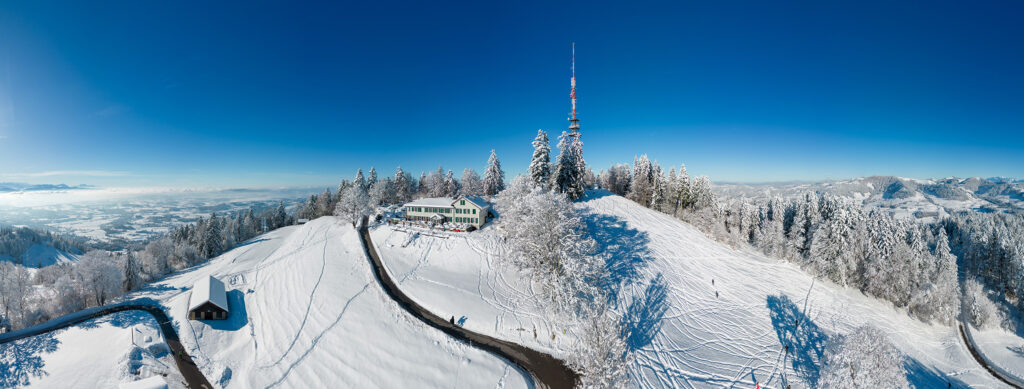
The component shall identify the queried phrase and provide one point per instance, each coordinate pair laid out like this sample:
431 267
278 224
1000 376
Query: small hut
209 301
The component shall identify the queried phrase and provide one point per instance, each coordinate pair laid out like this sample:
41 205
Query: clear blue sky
187 93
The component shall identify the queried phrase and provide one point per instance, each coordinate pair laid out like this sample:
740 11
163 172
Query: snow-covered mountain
906 197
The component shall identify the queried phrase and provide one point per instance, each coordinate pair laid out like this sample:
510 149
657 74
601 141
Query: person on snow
452 320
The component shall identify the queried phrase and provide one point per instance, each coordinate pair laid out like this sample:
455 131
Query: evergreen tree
211 240
540 165
344 184
373 177
402 186
642 187
437 182
683 188
423 187
360 181
451 187
324 204
131 272
280 216
494 177
569 170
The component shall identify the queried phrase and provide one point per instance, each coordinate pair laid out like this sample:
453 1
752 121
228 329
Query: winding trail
546 370
194 378
969 339
983 362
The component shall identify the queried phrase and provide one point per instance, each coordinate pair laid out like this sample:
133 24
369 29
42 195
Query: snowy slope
39 255
307 312
460 275
685 337
99 353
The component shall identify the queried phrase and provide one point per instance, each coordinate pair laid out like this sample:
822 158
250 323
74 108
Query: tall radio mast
574 123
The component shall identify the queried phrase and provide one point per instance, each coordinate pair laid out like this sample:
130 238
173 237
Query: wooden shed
209 301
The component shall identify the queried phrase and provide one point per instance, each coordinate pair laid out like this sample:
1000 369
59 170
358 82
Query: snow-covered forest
15 242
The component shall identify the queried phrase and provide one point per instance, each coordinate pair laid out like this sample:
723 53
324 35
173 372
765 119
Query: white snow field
684 336
306 311
1001 348
99 353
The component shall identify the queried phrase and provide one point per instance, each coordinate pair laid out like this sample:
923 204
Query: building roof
154 382
208 289
431 202
477 200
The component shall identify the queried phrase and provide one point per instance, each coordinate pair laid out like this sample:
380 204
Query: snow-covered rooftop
479 201
432 202
208 289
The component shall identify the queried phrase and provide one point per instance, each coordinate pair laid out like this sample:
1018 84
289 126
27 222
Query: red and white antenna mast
574 123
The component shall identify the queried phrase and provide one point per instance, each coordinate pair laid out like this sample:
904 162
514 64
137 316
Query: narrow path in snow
969 340
194 378
546 370
983 362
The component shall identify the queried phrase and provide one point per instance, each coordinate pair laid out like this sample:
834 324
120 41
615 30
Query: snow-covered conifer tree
683 196
423 185
540 165
436 184
324 204
211 240
570 167
360 180
494 177
403 186
451 186
373 177
131 272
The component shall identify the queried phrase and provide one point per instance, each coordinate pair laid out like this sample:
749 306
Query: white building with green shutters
468 210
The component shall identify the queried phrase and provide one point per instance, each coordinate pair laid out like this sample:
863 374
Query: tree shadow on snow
624 250
237 316
596 194
121 320
805 339
921 376
644 316
22 360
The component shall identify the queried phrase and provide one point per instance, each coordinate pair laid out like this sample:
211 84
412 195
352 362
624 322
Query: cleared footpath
546 370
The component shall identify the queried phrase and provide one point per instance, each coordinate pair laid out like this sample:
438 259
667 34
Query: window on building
462 202
474 212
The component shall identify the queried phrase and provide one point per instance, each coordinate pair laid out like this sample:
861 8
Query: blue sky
280 94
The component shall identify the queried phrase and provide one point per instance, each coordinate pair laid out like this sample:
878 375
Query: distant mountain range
6 187
922 199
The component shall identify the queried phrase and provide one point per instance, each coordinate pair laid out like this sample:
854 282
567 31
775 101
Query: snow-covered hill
305 312
39 255
905 197
684 335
